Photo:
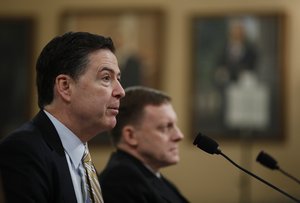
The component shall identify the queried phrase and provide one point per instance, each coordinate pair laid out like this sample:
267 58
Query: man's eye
162 129
106 78
166 128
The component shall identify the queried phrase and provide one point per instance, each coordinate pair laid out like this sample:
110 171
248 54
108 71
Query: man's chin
111 124
174 161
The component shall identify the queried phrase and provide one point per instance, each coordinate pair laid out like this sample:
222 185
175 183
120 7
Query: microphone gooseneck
210 146
269 162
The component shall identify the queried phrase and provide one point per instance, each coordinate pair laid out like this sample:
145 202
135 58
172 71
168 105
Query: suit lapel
48 132
160 186
173 190
51 137
164 190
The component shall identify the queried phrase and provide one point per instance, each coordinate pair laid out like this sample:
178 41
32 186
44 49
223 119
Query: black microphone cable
268 161
210 146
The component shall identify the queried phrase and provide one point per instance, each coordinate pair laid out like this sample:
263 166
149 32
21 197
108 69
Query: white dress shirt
74 150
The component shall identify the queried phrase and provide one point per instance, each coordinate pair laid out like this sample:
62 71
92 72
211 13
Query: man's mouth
114 110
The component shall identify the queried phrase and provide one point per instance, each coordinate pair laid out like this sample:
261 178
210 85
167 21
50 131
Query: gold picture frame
238 75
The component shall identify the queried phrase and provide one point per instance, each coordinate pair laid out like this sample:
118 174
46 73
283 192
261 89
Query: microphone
206 144
212 147
269 162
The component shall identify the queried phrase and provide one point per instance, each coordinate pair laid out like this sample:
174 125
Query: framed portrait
15 72
137 35
237 75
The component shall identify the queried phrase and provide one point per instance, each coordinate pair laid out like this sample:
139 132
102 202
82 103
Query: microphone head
206 144
267 161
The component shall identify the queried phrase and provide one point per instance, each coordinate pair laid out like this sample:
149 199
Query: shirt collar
71 143
157 174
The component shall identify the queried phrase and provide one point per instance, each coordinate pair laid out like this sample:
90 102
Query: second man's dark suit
125 179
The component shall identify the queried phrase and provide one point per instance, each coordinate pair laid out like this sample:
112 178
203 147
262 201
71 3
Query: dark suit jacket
33 165
126 180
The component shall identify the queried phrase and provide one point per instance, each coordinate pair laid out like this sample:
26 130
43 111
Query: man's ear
129 135
62 86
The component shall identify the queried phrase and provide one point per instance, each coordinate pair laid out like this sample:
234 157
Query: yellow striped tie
91 178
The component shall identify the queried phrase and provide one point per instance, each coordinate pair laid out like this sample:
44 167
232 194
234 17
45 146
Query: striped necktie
91 178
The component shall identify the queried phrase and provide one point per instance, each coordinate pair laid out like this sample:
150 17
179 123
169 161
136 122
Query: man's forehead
163 110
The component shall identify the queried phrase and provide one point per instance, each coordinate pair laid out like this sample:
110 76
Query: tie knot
86 156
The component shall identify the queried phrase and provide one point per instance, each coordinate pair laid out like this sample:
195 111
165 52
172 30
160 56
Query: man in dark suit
78 95
146 138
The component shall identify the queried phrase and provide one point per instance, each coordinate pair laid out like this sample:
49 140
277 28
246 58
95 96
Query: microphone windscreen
206 144
267 161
